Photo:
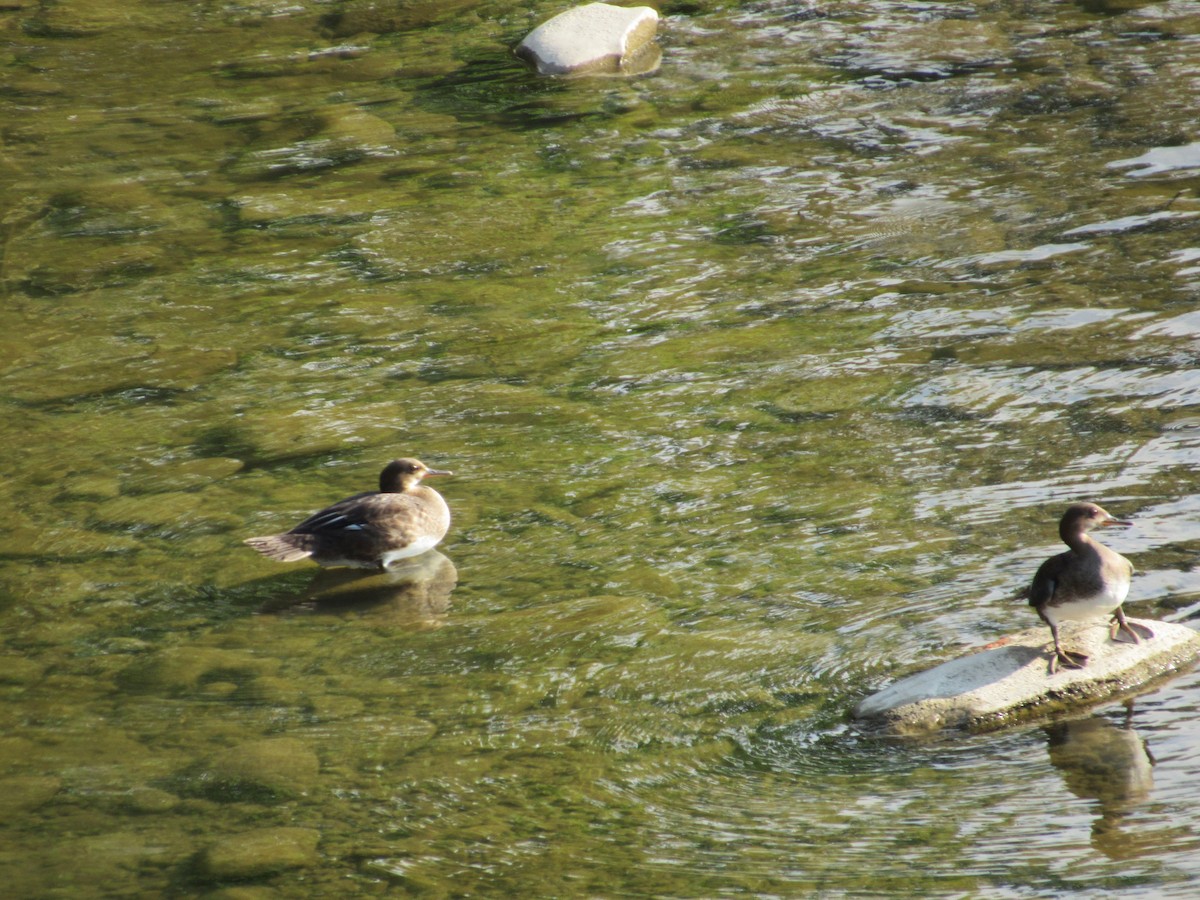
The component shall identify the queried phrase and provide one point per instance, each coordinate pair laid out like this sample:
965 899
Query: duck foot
1135 630
1069 659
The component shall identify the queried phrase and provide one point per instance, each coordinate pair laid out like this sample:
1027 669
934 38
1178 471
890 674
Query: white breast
417 547
1094 607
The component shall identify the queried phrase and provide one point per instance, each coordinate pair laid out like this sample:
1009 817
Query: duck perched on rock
370 530
1086 582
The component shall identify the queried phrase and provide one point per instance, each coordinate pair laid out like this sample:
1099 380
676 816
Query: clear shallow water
766 379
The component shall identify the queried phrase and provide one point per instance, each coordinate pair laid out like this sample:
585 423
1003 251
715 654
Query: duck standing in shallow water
371 530
1086 582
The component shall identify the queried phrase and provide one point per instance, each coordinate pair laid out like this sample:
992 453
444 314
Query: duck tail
283 547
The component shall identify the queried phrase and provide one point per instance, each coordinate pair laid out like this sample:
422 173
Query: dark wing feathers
398 517
344 518
345 515
1045 582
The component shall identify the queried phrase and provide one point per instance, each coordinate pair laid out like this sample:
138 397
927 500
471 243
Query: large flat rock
1010 681
594 39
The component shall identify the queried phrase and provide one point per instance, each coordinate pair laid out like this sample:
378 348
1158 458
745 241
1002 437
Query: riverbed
765 379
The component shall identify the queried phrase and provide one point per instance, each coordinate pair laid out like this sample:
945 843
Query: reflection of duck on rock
370 530
1086 582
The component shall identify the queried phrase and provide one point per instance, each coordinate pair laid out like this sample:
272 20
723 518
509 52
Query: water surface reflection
1111 765
415 592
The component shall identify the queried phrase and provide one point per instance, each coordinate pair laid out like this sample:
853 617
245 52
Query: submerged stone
242 892
346 123
80 18
270 690
181 669
330 708
253 854
1009 681
180 475
150 800
594 39
19 670
152 510
277 766
25 793
90 487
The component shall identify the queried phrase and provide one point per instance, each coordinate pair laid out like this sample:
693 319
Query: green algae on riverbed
761 376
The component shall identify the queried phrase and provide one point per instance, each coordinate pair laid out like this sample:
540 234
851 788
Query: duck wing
1045 582
349 515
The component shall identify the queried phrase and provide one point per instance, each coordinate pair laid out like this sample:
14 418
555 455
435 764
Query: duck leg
1136 631
1069 658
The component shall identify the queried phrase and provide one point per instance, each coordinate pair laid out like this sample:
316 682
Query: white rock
594 39
1010 681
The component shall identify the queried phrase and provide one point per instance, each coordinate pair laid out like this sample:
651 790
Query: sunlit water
765 379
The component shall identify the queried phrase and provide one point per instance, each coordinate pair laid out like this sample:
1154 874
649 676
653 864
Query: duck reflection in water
1110 764
414 594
